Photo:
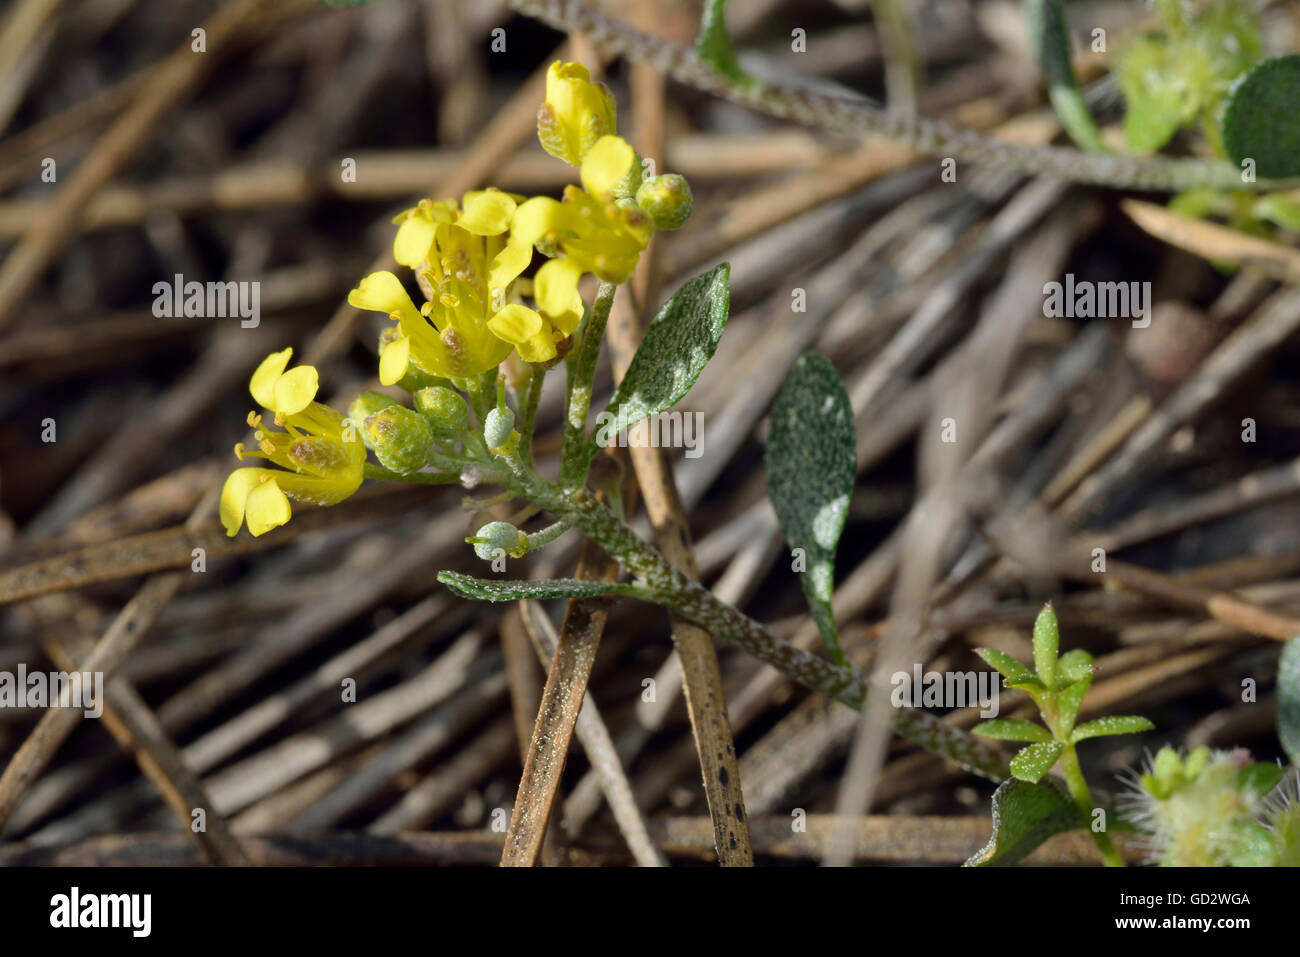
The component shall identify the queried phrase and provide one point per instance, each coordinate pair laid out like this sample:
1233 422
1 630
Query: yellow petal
534 219
266 507
605 164
295 390
234 495
383 292
262 385
515 323
508 264
538 348
414 237
393 360
556 287
486 213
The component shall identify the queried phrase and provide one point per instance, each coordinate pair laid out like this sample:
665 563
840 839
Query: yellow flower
466 270
323 451
592 230
576 114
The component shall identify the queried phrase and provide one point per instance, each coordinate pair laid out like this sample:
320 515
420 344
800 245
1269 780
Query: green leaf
713 45
1047 640
1259 778
1261 121
1288 699
1157 101
677 345
1050 36
1068 700
1024 816
1036 760
486 589
1112 724
811 465
1012 729
1073 666
1010 669
1029 684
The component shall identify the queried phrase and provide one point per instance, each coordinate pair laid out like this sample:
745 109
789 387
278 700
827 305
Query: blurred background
129 155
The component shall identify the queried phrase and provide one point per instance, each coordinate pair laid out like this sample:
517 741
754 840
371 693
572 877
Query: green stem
548 534
582 373
671 588
373 471
528 413
1078 788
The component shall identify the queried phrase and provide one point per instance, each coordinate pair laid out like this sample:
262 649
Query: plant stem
669 587
582 372
1078 788
528 412
427 478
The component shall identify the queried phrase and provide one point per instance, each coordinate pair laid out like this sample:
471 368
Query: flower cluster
468 260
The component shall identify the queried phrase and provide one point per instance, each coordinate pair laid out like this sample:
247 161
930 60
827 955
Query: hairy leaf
811 466
1012 729
1111 724
1261 121
1025 815
677 345
1036 760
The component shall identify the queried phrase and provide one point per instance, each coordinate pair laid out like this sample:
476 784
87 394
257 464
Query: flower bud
667 200
499 536
499 428
363 407
402 439
444 409
577 112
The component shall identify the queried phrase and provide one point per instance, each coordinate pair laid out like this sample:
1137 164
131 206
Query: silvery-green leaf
678 343
811 465
1047 641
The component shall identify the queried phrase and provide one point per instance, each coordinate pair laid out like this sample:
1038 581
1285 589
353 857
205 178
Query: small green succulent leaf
1030 685
1068 700
1073 666
1157 100
713 45
486 589
1033 762
1111 724
811 466
1025 815
1259 778
1260 119
678 343
1047 641
1012 729
1004 664
1288 699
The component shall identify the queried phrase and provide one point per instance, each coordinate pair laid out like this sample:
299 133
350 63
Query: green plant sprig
1057 685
